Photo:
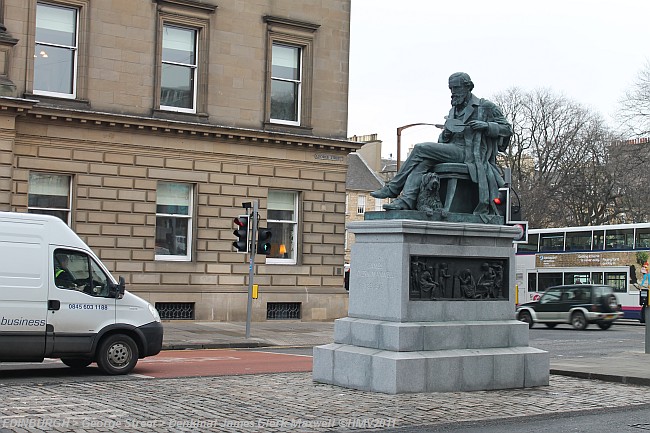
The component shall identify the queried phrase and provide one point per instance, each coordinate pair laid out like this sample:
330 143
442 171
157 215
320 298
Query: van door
23 292
81 302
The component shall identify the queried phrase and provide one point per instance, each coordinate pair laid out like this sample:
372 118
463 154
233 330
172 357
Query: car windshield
551 295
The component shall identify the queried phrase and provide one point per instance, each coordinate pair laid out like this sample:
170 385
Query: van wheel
117 354
578 321
77 362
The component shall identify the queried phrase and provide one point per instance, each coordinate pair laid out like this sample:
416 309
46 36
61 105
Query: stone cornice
90 118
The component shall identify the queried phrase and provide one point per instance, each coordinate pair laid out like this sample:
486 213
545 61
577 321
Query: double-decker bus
609 254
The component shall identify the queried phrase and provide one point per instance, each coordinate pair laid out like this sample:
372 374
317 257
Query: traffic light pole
251 273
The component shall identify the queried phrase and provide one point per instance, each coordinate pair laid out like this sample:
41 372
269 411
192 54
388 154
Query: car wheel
118 354
551 325
605 325
525 316
77 362
579 321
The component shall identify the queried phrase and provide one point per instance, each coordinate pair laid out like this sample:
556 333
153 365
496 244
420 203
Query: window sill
279 127
180 116
171 258
80 104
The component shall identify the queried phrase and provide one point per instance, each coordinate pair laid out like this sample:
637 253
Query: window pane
578 241
56 25
546 280
53 68
280 200
618 239
617 280
286 62
70 269
173 198
643 238
179 45
284 104
177 86
61 214
599 240
361 204
531 246
171 236
532 282
48 190
281 217
281 240
551 242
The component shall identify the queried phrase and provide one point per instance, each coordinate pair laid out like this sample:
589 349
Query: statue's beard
459 99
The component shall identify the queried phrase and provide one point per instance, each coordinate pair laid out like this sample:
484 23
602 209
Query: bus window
532 282
578 241
597 278
642 238
551 242
617 280
548 279
576 278
599 240
619 239
531 246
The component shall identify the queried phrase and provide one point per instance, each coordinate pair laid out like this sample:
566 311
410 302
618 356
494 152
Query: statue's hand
477 125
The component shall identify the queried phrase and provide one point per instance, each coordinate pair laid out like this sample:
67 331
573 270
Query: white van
57 300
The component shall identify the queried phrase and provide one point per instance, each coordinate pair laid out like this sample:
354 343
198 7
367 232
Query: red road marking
220 362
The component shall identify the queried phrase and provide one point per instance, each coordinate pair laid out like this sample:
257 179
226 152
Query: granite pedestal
394 343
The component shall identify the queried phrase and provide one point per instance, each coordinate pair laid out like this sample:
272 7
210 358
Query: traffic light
522 236
241 231
263 245
502 203
515 212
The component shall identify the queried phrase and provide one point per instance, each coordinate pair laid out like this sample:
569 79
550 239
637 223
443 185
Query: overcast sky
402 53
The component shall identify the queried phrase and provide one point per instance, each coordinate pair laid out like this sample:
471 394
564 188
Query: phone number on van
87 307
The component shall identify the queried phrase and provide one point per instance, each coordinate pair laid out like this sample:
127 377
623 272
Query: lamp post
399 137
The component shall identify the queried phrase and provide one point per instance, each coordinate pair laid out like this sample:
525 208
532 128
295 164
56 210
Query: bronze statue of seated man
475 130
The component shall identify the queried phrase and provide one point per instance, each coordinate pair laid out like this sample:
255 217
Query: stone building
145 124
364 176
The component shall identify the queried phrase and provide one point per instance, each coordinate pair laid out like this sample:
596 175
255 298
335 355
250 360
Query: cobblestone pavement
287 402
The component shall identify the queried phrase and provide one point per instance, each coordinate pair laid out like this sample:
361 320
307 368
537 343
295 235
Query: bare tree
564 165
634 107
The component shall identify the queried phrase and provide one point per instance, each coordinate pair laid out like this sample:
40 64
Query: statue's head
461 79
460 85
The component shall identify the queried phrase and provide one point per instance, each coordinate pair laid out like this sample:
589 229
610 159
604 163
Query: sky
402 53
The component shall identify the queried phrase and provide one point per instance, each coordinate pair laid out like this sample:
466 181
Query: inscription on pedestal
448 278
374 277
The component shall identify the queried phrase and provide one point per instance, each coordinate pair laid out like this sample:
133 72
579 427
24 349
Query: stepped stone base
393 344
395 357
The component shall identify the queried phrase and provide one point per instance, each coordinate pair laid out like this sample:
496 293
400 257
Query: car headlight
154 312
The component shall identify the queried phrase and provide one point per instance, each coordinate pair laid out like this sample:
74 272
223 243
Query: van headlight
154 312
